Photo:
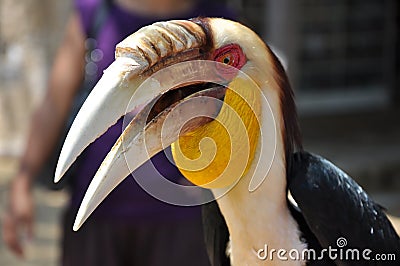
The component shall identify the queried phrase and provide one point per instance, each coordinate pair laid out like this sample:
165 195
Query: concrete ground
366 146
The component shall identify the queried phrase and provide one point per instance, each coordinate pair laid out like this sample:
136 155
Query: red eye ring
232 58
230 54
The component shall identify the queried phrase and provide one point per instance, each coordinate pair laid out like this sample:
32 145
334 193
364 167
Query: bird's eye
232 58
231 55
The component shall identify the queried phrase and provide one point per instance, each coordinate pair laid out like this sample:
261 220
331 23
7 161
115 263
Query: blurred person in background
130 227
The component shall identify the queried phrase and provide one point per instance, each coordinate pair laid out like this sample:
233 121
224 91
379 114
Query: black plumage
216 234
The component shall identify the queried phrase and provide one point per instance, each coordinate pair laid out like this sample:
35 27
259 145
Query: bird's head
209 87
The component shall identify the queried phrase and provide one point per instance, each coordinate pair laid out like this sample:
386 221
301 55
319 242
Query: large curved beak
139 56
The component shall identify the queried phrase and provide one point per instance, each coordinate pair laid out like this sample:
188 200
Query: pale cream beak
117 93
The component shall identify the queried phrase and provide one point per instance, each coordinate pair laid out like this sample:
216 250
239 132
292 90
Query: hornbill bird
232 129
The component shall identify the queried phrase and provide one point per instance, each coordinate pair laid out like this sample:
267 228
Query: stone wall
30 31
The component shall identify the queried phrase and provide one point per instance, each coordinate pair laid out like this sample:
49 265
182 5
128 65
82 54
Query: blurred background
342 57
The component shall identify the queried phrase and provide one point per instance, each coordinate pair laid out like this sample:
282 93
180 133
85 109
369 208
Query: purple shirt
128 200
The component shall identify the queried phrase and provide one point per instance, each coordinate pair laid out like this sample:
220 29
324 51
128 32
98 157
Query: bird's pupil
226 60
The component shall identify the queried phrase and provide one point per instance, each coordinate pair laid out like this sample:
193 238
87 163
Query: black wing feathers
216 234
334 206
